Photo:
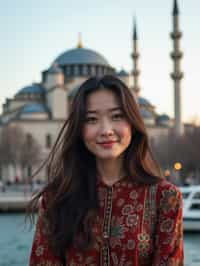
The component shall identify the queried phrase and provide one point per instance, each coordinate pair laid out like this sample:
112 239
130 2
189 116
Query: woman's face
106 131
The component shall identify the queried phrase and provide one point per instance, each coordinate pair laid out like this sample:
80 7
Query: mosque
41 108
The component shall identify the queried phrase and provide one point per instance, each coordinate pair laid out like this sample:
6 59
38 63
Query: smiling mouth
107 144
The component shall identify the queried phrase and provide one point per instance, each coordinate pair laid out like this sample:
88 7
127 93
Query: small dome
143 101
122 73
34 88
146 114
34 108
81 56
163 117
163 120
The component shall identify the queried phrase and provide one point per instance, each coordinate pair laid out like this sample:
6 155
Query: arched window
48 141
68 71
76 70
85 70
80 70
93 70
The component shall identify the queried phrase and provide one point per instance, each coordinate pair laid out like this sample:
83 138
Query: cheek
89 133
125 131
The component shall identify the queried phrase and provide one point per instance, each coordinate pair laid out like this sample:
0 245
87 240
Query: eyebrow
110 110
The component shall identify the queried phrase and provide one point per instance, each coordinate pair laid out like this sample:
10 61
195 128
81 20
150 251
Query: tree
184 149
18 149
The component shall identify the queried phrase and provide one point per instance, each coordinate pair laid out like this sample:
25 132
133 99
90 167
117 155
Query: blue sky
34 33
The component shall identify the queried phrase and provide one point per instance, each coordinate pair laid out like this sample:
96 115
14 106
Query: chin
107 156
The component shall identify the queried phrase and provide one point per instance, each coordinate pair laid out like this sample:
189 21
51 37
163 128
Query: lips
107 144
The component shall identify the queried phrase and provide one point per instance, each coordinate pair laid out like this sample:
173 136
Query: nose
106 128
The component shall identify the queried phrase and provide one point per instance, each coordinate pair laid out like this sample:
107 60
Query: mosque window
85 70
48 141
80 70
76 70
93 70
89 70
72 70
67 71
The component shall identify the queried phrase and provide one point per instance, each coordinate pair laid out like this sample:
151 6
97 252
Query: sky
34 33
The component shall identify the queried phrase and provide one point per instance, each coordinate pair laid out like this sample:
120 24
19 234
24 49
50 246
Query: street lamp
178 167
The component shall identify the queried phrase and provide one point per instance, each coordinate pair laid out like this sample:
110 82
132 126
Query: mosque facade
40 109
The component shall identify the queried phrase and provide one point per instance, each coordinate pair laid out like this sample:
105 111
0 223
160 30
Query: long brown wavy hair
71 198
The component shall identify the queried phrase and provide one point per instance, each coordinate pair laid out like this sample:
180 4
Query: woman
105 202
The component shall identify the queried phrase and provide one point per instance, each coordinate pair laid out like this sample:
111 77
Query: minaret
135 55
177 75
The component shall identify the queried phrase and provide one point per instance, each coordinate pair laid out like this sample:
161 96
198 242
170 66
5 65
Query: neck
110 171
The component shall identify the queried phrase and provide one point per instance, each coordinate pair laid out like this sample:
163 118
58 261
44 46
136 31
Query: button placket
105 258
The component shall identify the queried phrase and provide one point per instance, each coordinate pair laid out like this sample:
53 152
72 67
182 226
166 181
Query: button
105 235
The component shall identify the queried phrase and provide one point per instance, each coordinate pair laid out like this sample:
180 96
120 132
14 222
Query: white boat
191 207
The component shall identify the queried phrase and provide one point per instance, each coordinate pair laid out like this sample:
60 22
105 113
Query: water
15 242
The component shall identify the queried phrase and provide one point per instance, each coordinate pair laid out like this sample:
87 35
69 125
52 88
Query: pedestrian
106 202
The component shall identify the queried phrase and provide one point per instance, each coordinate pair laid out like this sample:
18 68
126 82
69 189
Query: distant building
41 108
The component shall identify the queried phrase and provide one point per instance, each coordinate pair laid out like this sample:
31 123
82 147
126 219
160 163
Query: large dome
81 56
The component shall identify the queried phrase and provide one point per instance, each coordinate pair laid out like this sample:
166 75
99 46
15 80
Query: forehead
102 99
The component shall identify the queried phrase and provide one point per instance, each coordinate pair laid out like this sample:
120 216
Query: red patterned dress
137 225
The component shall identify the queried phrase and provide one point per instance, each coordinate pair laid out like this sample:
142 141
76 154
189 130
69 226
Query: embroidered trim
148 221
105 253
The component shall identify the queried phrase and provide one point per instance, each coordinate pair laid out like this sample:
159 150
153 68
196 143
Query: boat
191 207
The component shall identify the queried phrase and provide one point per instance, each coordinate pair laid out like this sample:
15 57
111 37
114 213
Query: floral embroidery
133 195
167 225
139 207
128 243
170 201
132 220
127 209
118 231
144 249
39 250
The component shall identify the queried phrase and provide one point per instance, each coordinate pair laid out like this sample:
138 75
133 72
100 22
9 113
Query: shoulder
164 185
168 195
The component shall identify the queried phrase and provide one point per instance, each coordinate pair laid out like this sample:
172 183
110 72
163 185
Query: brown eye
90 120
117 117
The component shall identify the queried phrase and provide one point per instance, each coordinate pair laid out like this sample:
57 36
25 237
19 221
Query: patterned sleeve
169 230
40 252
